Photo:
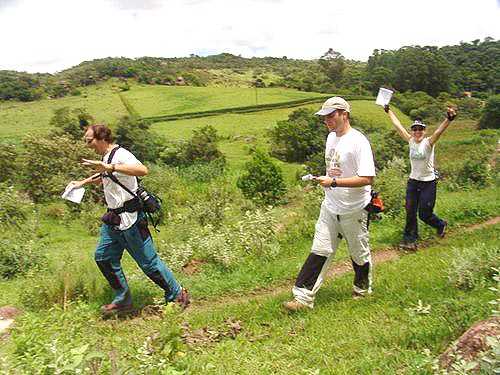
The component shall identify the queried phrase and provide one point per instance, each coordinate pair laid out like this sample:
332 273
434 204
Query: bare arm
355 181
450 114
128 169
94 179
397 124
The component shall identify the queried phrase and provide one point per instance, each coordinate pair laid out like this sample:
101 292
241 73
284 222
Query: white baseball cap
333 104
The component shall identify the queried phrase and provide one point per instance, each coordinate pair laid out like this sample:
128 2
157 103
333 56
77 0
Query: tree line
467 67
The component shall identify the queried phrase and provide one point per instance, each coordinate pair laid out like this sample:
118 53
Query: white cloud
56 34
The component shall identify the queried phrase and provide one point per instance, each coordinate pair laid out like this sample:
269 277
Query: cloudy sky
52 35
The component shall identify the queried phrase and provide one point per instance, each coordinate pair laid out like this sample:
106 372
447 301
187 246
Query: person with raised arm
422 183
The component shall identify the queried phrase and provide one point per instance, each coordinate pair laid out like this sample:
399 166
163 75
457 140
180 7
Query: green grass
167 100
241 132
17 119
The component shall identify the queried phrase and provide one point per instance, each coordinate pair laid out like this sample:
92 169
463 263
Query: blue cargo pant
139 244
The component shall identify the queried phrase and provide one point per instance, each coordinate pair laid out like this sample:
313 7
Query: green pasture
151 101
17 118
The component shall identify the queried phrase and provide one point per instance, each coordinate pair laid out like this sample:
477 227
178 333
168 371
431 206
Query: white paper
73 194
308 177
384 96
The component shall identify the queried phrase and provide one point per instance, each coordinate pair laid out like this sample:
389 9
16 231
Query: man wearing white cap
349 174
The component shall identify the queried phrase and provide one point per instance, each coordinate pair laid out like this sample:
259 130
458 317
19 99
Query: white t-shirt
352 155
114 194
422 160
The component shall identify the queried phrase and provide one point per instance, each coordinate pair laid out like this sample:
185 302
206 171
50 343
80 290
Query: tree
333 65
491 114
299 137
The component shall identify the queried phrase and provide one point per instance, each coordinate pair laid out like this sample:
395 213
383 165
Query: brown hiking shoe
183 299
295 305
115 309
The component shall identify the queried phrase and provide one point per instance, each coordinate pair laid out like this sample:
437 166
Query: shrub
14 208
8 161
491 113
473 266
390 183
299 137
475 171
48 164
201 148
70 122
134 135
20 251
262 180
251 237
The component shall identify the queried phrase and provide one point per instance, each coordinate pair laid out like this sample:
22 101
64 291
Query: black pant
420 197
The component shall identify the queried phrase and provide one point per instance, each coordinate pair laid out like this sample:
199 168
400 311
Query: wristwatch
334 182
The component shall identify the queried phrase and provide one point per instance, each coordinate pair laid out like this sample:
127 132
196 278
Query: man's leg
355 229
141 247
412 198
325 243
108 256
426 207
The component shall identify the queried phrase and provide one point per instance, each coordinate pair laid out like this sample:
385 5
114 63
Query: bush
20 251
262 180
491 114
8 162
251 237
391 184
475 171
201 148
70 122
473 266
134 135
48 164
14 208
298 138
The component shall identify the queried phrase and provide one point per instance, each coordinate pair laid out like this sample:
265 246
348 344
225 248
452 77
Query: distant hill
471 66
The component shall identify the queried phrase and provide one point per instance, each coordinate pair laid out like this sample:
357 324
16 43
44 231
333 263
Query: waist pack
376 204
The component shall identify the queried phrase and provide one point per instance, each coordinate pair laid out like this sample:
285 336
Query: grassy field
236 324
166 100
17 119
104 104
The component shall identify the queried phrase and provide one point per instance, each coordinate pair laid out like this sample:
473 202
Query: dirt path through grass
338 269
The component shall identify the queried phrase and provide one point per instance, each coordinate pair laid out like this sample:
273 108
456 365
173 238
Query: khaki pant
330 229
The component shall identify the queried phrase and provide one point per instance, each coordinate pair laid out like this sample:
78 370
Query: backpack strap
112 177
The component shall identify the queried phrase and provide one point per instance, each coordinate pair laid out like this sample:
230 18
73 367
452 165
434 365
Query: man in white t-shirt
349 173
125 225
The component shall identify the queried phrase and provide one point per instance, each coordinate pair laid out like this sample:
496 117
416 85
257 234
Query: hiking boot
442 231
115 309
183 299
295 305
406 245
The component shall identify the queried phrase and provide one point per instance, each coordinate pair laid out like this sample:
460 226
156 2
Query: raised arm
395 121
450 116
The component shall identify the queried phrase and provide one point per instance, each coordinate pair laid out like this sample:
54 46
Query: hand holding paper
384 96
73 192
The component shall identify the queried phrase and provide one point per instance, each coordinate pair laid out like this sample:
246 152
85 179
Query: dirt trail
337 270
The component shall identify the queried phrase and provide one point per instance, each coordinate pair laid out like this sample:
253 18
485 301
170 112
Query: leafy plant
262 180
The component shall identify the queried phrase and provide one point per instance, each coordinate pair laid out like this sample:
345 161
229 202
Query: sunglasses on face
88 140
418 128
